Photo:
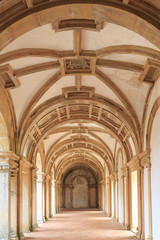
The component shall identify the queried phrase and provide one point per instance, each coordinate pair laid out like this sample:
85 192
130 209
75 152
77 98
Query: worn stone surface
80 193
81 225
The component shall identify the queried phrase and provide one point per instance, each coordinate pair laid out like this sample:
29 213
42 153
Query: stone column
101 189
71 194
105 196
50 197
109 196
34 199
142 203
139 201
117 200
47 196
53 208
20 201
63 197
124 198
116 193
43 194
4 198
59 197
39 182
127 199
26 195
150 237
14 184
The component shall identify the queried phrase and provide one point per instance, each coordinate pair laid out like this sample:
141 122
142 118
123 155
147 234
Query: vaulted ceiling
79 76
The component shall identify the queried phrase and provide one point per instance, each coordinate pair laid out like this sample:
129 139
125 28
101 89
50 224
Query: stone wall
80 190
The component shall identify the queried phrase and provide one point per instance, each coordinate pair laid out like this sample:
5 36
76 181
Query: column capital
9 161
125 170
25 163
41 176
48 177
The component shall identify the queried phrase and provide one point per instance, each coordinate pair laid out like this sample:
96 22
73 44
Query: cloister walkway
86 224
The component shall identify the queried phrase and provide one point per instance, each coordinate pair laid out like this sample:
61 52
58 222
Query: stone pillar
139 202
101 191
53 208
39 183
20 201
114 193
71 196
34 199
150 237
105 196
59 197
50 197
5 190
63 197
43 195
124 198
117 202
26 195
127 199
142 203
47 197
8 195
40 197
109 196
97 197
14 189
89 201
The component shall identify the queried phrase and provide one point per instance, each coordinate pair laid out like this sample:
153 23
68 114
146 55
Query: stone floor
80 225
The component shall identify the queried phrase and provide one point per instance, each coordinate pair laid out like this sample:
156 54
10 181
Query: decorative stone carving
77 65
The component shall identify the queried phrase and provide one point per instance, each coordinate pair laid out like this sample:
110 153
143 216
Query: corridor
80 225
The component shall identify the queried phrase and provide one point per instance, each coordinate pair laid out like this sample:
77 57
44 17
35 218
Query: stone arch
105 10
4 141
39 162
154 110
119 152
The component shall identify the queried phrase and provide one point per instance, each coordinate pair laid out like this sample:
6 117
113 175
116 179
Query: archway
80 189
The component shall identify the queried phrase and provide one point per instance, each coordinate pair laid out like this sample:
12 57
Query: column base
33 227
39 222
15 237
21 236
53 214
138 234
43 219
149 238
127 227
142 236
